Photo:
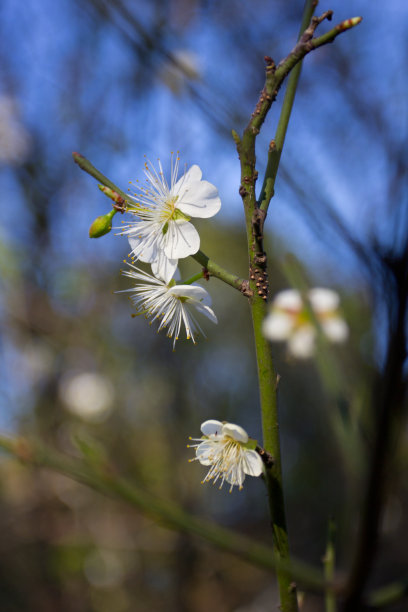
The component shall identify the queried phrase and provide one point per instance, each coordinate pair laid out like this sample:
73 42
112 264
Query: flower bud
113 195
102 225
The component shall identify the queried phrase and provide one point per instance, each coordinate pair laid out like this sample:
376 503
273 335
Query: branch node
242 191
265 456
246 290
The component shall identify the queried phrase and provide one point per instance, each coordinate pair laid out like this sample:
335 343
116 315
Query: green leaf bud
102 225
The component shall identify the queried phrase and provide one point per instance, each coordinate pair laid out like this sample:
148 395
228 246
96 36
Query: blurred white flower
223 447
289 320
89 395
14 138
162 234
170 303
179 69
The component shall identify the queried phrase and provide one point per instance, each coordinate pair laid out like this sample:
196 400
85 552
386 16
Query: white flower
223 447
162 234
289 320
170 303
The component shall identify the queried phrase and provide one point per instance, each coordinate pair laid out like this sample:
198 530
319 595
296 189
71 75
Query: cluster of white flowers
160 233
289 320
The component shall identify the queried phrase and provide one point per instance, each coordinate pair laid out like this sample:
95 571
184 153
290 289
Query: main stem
270 426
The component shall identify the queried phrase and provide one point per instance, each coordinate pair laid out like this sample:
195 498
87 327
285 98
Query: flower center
168 211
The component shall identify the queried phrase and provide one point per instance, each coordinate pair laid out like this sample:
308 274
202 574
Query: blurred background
117 80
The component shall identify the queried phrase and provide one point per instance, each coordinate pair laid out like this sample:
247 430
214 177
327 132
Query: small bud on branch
113 195
102 225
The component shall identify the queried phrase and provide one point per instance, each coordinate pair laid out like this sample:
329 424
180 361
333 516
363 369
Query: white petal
144 253
302 342
207 311
323 300
235 476
211 427
235 431
192 175
193 292
205 452
182 240
336 329
164 267
289 299
199 298
200 199
277 326
253 465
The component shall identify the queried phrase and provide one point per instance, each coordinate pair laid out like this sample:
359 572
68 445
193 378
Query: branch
329 562
254 218
388 595
103 478
276 145
218 272
275 76
86 166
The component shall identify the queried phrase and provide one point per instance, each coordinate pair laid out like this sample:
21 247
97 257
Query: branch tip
349 23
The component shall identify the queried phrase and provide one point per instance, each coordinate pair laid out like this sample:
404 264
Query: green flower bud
102 225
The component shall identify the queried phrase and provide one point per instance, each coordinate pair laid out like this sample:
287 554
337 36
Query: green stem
275 149
329 561
103 478
388 595
86 166
218 272
268 382
255 217
192 279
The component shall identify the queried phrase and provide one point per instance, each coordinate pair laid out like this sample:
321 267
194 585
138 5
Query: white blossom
223 448
162 232
290 320
171 304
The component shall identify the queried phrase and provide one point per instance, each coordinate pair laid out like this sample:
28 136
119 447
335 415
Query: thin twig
103 478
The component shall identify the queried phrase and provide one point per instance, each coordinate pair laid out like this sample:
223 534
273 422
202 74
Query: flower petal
192 175
323 300
200 199
181 240
163 267
335 329
289 299
193 292
211 427
302 342
236 432
141 251
253 465
207 311
277 326
205 452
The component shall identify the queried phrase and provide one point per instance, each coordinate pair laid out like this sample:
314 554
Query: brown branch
275 75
